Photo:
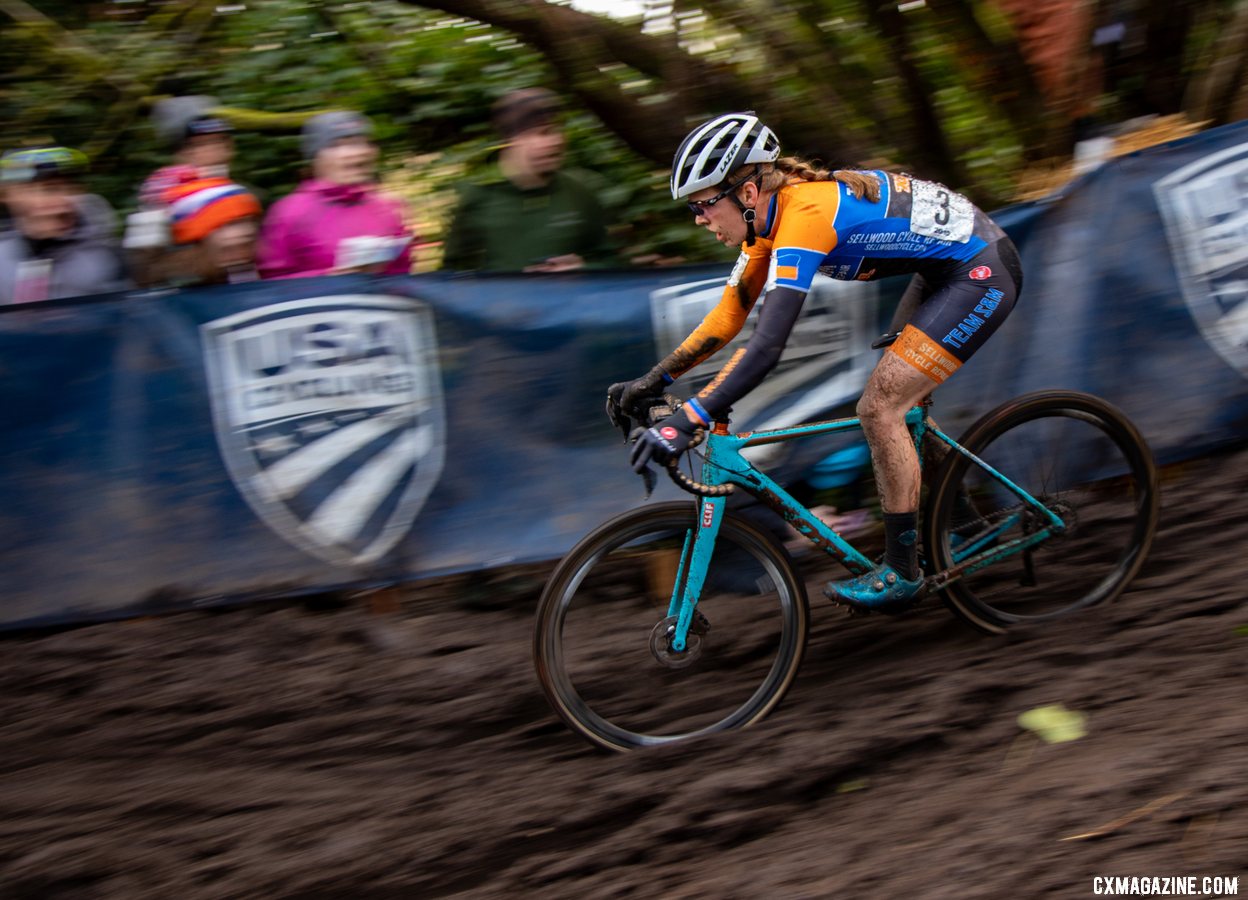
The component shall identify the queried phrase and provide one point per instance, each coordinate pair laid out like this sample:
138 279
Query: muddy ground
296 752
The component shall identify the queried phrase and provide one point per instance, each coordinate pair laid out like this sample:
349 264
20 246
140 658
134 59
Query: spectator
337 221
52 249
526 214
213 224
202 145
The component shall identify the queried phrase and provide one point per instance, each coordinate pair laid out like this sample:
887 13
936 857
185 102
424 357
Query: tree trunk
1159 63
1001 70
1213 90
931 154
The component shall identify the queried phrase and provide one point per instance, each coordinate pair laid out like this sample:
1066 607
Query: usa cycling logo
1205 209
329 416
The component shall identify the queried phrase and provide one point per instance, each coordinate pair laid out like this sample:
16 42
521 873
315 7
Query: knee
866 407
876 413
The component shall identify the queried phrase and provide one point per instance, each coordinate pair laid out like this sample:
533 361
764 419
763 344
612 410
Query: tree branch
788 44
185 27
580 46
63 43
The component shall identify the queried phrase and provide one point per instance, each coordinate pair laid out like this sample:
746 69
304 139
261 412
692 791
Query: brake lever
621 421
661 408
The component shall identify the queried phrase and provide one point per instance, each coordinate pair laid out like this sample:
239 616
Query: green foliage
425 79
988 149
824 70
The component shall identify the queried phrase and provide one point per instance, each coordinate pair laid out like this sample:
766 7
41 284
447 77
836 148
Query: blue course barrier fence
164 450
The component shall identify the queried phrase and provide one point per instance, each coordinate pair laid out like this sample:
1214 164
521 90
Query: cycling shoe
880 590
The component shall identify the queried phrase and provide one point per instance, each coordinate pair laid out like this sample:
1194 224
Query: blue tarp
161 450
1135 282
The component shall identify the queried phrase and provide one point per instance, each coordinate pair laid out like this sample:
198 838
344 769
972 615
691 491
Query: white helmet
716 149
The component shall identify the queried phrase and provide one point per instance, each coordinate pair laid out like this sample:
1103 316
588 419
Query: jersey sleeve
805 235
749 365
724 322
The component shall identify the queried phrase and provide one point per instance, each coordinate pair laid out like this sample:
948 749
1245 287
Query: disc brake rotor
661 641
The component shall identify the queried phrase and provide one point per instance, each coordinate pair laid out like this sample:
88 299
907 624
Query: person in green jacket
525 213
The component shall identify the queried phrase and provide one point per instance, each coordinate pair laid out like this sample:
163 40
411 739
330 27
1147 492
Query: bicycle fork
695 562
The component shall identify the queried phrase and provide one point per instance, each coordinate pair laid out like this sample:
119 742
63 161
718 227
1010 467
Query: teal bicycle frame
723 465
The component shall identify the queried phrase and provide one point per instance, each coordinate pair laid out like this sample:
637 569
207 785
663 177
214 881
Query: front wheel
601 644
1082 459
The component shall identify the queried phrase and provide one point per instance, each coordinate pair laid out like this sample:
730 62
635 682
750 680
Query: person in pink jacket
337 221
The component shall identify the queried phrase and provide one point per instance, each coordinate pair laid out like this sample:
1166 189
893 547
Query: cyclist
792 220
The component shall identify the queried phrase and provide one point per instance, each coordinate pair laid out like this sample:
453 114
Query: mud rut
288 752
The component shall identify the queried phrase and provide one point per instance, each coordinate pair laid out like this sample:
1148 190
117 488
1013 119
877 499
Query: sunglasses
699 207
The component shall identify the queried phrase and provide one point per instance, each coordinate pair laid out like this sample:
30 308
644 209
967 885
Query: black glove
664 442
628 399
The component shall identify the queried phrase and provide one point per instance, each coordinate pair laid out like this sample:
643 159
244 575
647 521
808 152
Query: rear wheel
602 643
1081 458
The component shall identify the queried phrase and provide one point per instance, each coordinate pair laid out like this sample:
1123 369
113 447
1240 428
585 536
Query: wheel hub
1063 510
661 641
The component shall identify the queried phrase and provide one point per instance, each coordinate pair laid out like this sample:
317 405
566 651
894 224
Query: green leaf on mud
1242 630
1054 724
856 784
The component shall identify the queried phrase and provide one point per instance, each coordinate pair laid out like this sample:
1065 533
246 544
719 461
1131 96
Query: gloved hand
664 442
627 399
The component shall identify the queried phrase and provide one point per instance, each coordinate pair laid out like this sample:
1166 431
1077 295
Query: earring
749 215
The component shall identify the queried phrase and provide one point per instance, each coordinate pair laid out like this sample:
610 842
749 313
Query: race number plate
739 269
940 213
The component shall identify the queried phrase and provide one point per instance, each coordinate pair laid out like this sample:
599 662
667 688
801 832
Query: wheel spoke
1085 463
603 641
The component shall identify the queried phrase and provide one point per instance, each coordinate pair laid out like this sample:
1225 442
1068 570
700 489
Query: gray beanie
178 118
321 131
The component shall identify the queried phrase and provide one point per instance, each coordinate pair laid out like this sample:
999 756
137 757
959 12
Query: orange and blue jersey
822 227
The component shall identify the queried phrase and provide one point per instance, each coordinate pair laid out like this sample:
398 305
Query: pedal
849 610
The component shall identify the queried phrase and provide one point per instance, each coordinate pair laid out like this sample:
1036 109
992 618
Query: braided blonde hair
791 170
